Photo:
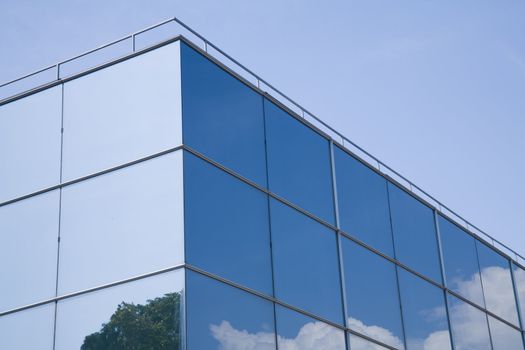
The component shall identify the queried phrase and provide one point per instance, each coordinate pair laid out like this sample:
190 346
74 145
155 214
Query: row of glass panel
236 231
112 227
234 125
147 313
110 117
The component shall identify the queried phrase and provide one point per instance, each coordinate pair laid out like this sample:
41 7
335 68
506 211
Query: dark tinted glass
461 261
226 225
363 202
497 283
222 117
298 163
424 313
468 326
222 317
305 263
414 233
372 295
297 331
503 336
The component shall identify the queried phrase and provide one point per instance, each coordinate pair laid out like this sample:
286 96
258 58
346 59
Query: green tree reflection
154 325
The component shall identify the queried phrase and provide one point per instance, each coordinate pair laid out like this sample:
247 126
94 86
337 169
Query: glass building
163 201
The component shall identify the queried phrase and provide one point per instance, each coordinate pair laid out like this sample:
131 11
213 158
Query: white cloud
230 338
379 333
469 324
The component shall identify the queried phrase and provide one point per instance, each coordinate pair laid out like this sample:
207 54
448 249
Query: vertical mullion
59 209
443 276
338 237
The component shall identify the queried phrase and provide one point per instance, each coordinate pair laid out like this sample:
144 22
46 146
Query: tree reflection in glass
153 325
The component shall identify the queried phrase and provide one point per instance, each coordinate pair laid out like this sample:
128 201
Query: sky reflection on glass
497 283
460 259
296 331
362 198
468 326
414 229
225 318
299 166
227 228
222 117
424 313
372 295
306 268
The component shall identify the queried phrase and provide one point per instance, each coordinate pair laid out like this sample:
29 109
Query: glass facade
164 203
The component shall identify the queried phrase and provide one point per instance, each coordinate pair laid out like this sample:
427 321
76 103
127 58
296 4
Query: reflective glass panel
519 280
222 317
122 224
297 331
503 336
121 113
28 329
424 313
299 167
468 326
223 117
28 250
497 284
306 268
372 295
30 143
358 343
362 198
144 314
226 225
461 261
414 233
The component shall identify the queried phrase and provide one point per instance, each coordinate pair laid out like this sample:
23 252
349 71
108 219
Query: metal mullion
443 276
339 243
267 174
93 289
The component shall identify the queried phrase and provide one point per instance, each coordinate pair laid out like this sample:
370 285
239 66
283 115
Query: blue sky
434 89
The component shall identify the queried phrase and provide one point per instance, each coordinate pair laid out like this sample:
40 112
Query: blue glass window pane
497 283
519 280
222 317
306 269
424 313
362 198
299 167
460 261
468 326
372 295
414 229
226 225
503 336
297 331
222 117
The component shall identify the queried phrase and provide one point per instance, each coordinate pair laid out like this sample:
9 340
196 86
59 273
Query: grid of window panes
91 220
288 241
293 243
